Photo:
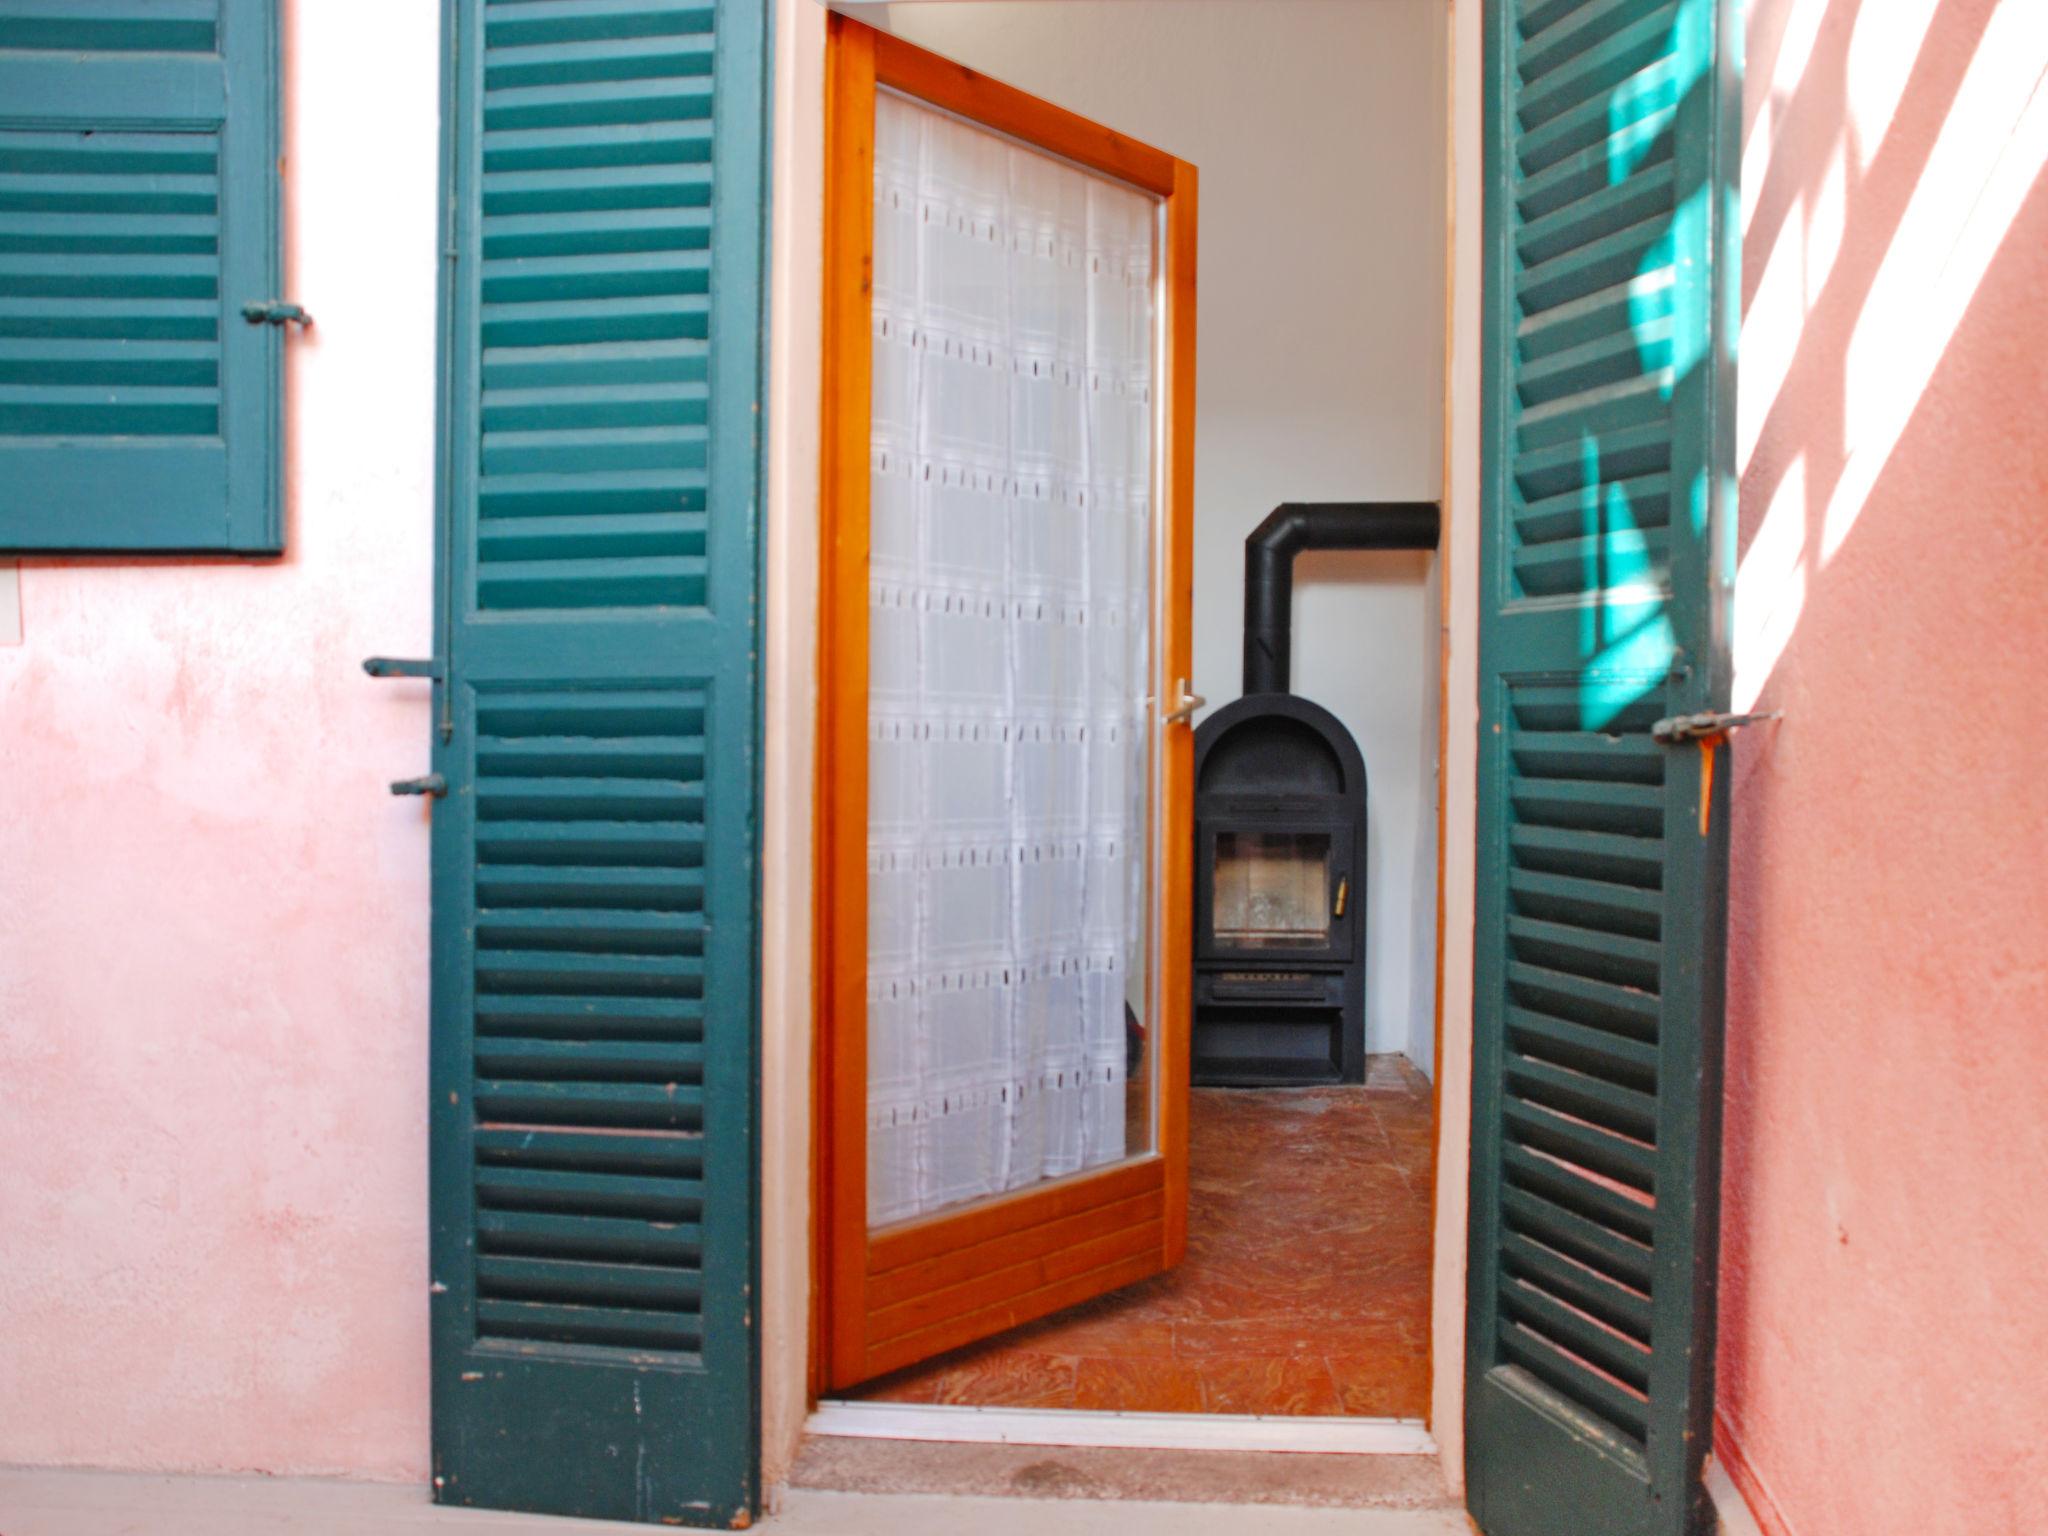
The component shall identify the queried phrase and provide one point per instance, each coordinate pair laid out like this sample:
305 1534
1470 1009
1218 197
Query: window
139 403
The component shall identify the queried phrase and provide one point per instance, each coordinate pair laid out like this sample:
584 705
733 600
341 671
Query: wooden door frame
860 59
790 1085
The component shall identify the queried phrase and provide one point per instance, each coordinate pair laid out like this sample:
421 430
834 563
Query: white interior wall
1317 128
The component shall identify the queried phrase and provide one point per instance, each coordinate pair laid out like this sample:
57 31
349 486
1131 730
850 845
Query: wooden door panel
947 1280
892 1296
897 1277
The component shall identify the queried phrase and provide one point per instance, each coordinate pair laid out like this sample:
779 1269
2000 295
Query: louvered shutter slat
1601 1297
594 858
615 1241
1597 1052
1608 506
138 190
1598 1225
646 1288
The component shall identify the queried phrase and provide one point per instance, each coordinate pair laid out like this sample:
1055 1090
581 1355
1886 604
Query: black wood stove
1280 833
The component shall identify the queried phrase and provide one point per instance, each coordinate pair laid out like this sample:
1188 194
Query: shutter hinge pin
277 312
432 785
396 666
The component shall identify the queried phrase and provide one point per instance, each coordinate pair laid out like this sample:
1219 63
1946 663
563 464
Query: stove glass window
1272 890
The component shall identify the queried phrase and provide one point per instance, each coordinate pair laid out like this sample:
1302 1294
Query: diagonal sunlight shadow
1988 153
1992 148
1819 196
1627 638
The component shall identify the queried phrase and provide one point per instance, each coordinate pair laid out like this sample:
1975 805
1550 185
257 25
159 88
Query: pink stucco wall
212 917
1883 1303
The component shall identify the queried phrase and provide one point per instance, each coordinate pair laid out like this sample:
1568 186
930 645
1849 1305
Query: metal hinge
277 312
398 666
432 785
1673 729
429 667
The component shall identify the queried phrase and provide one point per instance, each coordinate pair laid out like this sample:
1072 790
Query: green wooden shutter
1607 568
139 410
595 966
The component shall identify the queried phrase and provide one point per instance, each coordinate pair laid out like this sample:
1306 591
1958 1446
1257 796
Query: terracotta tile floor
1305 1288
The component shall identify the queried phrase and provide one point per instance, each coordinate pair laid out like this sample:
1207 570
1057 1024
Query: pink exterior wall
1883 1297
213 919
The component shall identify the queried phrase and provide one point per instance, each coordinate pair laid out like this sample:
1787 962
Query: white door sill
1129 1431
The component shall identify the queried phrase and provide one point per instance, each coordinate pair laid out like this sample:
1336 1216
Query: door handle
1185 702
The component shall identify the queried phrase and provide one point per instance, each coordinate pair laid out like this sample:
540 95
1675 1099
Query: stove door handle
1185 702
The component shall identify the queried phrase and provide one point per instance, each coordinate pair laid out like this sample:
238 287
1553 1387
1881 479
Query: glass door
1011 541
1005 797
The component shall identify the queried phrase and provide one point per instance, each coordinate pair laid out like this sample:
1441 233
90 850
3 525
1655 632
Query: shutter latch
432 785
1709 730
277 312
1674 729
397 666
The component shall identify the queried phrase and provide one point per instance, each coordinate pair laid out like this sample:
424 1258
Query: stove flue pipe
1269 555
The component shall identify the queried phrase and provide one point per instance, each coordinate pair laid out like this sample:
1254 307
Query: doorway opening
1300 1289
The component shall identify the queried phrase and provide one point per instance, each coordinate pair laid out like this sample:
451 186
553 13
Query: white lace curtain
1009 645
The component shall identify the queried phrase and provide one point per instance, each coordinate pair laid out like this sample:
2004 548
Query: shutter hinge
396 666
431 667
277 312
432 785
